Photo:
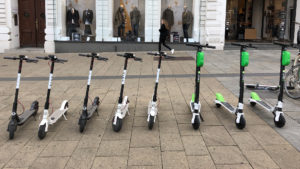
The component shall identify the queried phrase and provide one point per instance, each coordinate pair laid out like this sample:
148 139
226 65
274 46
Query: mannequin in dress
135 16
187 21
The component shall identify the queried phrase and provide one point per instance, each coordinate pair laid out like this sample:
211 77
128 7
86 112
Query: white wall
297 20
257 17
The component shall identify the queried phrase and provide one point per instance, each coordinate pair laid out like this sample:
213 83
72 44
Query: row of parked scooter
123 101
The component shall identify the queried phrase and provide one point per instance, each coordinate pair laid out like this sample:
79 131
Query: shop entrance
32 23
259 20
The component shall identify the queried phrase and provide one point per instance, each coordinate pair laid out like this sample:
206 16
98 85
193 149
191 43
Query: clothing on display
168 15
72 21
187 20
119 21
135 16
87 18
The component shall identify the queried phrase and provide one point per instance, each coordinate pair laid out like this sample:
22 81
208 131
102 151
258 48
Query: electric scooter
195 104
88 111
50 120
123 103
279 119
152 107
18 120
220 101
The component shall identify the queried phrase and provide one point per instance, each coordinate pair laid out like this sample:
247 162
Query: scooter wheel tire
281 121
11 131
118 125
42 133
218 105
242 123
82 124
252 104
196 123
151 122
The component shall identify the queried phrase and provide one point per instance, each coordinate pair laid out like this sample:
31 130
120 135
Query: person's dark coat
120 17
87 17
73 16
187 17
168 15
135 16
164 32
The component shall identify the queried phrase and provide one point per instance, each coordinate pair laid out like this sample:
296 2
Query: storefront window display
129 20
179 16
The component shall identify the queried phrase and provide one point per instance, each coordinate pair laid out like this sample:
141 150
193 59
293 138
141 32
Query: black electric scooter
18 120
195 104
88 111
240 121
152 107
277 111
50 120
123 103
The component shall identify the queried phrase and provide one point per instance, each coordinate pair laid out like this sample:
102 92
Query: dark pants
71 28
121 30
163 41
185 28
87 30
135 30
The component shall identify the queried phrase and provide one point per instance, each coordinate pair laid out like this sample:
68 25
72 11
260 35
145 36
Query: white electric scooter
123 103
50 120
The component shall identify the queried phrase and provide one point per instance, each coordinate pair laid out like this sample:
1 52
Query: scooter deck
227 106
56 115
264 104
25 116
91 110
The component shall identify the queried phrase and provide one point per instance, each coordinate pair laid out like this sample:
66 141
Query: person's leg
164 43
159 45
119 31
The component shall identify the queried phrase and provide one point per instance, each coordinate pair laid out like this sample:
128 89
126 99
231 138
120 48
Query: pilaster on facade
297 20
50 10
4 29
152 20
104 20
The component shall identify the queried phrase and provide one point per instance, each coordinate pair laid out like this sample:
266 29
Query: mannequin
120 20
135 16
168 15
187 20
87 18
72 21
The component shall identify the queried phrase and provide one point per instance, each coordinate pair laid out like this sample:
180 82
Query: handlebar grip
43 57
61 60
102 58
138 59
81 54
236 44
11 58
212 47
150 53
120 55
281 44
32 60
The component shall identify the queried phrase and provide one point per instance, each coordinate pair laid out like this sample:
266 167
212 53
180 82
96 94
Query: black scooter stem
49 85
123 81
88 84
281 80
15 104
157 78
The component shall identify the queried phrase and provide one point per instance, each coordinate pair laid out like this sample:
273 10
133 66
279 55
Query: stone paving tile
59 148
110 162
169 127
170 142
144 156
144 167
111 148
200 162
216 135
234 166
174 159
187 130
50 163
245 141
227 155
82 158
260 159
90 140
143 137
194 146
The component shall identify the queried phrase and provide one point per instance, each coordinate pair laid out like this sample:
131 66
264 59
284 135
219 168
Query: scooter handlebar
102 58
31 60
153 53
200 46
43 57
138 59
10 58
282 44
244 45
85 55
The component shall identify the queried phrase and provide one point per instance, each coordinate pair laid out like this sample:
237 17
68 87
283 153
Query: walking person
164 33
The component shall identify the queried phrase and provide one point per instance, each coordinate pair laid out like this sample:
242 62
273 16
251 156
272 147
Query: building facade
42 23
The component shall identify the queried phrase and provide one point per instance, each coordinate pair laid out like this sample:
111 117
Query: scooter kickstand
65 117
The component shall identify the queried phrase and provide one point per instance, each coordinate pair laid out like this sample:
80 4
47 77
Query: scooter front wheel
12 127
281 122
151 122
117 127
82 123
242 123
196 123
42 131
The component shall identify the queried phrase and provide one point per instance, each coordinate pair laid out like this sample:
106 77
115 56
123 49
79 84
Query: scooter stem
123 81
49 85
15 104
157 79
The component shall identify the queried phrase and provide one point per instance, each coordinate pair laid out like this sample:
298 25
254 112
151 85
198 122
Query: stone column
104 20
152 20
297 20
196 27
51 14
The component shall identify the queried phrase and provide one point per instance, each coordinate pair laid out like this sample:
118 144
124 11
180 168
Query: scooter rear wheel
252 104
281 121
42 133
118 125
218 105
151 122
242 123
196 123
12 127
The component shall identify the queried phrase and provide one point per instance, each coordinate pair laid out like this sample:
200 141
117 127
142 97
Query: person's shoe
172 51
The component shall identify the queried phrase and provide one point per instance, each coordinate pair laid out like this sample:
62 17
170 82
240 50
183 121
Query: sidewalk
172 143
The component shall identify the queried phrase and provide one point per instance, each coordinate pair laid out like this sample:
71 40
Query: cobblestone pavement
172 143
